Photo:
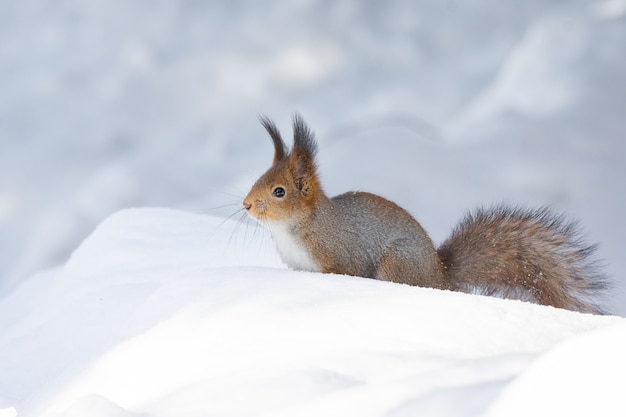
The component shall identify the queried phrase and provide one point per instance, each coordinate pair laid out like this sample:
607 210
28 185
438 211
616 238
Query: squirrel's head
288 191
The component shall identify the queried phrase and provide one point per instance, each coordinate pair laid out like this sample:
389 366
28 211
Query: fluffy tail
531 255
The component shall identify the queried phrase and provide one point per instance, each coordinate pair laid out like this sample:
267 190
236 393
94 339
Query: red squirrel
530 255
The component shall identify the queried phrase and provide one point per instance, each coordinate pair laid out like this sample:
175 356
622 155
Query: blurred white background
439 105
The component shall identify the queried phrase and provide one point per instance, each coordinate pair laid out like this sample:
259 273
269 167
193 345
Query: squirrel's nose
247 205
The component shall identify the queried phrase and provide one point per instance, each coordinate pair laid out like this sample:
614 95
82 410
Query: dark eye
279 192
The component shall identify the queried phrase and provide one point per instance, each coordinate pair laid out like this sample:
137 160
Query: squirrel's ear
280 150
302 157
303 139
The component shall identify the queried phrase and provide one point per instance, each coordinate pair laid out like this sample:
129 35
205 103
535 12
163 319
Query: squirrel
525 254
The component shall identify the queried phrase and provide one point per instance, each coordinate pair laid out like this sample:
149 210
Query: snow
558 387
165 313
438 106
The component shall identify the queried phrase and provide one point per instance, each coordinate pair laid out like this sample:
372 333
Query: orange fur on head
295 173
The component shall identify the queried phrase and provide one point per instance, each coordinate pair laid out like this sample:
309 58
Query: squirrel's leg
400 263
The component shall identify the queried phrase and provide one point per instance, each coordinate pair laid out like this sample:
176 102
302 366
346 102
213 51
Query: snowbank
166 313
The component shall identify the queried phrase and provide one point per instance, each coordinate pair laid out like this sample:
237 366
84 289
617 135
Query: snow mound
559 383
166 313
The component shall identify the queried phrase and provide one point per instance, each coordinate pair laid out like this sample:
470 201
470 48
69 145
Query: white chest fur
291 250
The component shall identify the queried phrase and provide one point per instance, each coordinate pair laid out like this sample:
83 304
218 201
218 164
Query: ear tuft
302 156
280 149
304 143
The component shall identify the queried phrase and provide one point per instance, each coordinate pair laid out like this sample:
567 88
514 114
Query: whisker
239 195
214 210
231 216
256 226
225 220
264 229
239 222
224 206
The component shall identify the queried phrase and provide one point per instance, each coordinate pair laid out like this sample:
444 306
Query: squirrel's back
373 227
532 255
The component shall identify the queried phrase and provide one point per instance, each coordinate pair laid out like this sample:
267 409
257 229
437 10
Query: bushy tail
532 255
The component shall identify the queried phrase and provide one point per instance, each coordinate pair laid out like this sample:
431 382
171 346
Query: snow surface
167 313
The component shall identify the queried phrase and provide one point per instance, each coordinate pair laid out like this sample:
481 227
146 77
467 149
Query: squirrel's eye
279 192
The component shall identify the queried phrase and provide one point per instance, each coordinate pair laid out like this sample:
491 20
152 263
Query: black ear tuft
302 156
304 143
280 149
